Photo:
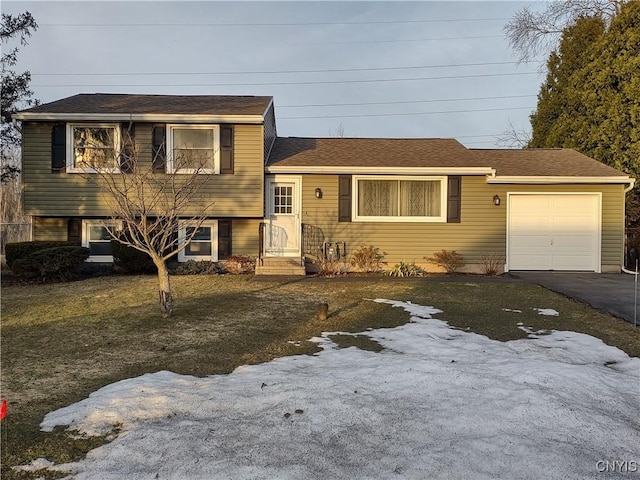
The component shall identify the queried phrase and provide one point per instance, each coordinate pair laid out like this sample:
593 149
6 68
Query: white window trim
71 167
182 233
86 225
216 149
442 218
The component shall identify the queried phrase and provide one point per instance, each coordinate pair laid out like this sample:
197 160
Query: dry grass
61 342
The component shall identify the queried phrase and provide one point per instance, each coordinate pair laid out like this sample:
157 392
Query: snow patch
436 403
550 312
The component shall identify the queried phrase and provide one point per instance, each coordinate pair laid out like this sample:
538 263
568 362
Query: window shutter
159 148
224 239
454 199
59 148
74 230
344 198
127 156
226 149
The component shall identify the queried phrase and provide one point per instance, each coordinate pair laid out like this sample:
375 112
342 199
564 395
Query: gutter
138 117
337 170
553 180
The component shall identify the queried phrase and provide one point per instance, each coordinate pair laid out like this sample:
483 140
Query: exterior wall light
318 192
496 200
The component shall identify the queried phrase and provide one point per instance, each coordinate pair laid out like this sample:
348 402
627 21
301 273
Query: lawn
61 342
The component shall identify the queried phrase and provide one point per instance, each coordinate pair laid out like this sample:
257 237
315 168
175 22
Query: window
203 245
92 147
282 199
193 148
413 199
96 237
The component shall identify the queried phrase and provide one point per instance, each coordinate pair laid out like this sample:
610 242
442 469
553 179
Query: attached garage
554 231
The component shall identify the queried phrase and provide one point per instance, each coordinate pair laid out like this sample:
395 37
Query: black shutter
159 148
59 148
127 155
224 239
344 198
74 230
226 149
454 197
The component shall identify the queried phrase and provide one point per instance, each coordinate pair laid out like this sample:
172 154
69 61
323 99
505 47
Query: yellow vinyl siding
244 237
50 229
46 193
482 229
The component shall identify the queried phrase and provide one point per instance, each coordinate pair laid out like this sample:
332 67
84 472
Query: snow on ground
436 403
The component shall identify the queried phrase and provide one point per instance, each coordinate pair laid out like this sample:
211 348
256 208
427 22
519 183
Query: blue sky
370 69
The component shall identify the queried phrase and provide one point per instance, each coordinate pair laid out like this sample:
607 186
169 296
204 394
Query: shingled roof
131 104
428 153
543 162
370 152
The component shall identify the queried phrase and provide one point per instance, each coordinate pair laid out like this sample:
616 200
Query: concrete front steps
281 266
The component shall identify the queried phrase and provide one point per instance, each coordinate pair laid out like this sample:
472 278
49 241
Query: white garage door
554 232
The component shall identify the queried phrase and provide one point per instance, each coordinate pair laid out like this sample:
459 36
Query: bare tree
337 132
531 33
513 137
151 208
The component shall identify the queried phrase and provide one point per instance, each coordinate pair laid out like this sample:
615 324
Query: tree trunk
166 299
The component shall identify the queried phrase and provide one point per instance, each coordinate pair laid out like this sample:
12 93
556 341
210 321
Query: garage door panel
572 262
581 243
553 232
525 225
519 243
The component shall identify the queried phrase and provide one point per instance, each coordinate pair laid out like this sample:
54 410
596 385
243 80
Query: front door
282 223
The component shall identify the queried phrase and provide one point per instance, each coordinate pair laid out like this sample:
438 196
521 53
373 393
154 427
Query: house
290 199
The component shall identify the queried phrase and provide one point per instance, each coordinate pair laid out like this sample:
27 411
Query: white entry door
554 232
283 225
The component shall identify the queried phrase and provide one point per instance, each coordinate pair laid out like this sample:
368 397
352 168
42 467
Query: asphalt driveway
612 293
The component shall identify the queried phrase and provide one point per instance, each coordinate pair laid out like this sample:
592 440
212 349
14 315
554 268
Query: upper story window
400 199
92 147
193 148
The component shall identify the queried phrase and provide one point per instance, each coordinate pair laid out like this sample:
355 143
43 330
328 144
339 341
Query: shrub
403 269
367 258
239 264
330 268
194 267
49 264
15 251
130 259
450 261
491 263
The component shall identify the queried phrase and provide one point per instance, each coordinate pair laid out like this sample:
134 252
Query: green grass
60 342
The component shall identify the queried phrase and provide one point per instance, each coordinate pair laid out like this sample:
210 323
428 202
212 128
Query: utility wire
404 114
407 102
278 72
274 24
399 40
317 82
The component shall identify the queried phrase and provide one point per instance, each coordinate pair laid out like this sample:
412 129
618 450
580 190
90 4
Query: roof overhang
138 117
356 170
555 180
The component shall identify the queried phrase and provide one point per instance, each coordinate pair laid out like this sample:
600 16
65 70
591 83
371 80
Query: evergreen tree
591 98
16 93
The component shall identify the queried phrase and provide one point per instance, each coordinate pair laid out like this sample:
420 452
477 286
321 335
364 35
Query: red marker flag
3 409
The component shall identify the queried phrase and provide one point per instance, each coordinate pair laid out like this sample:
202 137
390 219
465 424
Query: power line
315 82
404 102
396 40
273 24
403 114
278 72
